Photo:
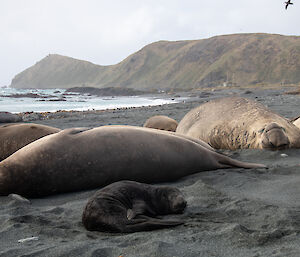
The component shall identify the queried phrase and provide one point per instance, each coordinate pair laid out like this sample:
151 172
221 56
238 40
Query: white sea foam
51 100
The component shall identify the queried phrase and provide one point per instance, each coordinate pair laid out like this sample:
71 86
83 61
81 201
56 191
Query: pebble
283 155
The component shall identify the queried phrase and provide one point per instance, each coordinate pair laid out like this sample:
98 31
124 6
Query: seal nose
275 137
278 142
179 204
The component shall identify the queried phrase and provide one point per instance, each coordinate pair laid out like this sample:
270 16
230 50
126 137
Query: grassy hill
238 59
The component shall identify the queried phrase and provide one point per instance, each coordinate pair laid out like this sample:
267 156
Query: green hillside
238 59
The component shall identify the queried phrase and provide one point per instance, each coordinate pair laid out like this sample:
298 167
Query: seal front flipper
144 223
130 214
139 209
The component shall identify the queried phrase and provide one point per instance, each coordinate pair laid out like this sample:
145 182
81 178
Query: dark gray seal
239 123
7 117
118 207
78 159
15 136
161 122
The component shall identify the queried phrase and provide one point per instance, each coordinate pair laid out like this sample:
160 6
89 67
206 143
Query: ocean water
51 100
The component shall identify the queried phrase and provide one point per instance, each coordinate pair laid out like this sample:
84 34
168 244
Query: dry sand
232 212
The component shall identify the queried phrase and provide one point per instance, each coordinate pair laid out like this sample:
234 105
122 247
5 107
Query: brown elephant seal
15 136
161 122
296 121
118 207
236 122
7 117
78 159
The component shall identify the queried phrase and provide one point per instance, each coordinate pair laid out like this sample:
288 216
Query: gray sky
106 32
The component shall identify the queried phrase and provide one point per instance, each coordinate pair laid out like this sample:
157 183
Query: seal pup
15 136
81 158
239 123
161 122
118 207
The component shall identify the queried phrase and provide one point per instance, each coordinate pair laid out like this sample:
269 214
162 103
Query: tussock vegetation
238 60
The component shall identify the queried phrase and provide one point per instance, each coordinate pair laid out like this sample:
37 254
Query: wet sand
230 212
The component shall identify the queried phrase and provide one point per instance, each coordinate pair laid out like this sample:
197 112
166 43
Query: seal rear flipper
227 162
245 165
146 224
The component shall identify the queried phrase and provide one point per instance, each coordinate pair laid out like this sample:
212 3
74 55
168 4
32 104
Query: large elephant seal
161 122
235 122
15 136
118 207
78 159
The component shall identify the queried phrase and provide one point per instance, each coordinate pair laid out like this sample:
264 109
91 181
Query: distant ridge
238 59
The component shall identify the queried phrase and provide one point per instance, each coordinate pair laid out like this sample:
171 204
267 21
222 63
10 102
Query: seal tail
144 223
227 162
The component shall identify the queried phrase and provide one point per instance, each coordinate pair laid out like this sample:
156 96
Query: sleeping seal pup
118 207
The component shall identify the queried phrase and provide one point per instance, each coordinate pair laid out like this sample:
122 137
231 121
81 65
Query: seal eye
261 130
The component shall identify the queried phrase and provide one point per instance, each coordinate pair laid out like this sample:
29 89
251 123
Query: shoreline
230 212
189 100
33 115
42 101
181 96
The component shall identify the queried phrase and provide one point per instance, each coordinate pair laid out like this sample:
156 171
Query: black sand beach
230 212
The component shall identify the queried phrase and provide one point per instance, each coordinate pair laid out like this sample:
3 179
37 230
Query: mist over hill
238 59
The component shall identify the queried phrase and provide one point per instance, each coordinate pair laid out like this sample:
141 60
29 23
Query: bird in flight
288 3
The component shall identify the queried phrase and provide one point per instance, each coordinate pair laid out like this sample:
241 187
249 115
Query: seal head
274 137
172 200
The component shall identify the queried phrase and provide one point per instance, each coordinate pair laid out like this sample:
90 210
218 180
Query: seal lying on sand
81 158
118 207
161 122
15 136
6 117
235 122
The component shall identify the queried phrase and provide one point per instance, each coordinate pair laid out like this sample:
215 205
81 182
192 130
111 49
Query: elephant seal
296 121
81 158
118 207
15 136
7 117
161 122
238 123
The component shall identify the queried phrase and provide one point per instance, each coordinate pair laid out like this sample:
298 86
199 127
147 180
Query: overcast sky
106 32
